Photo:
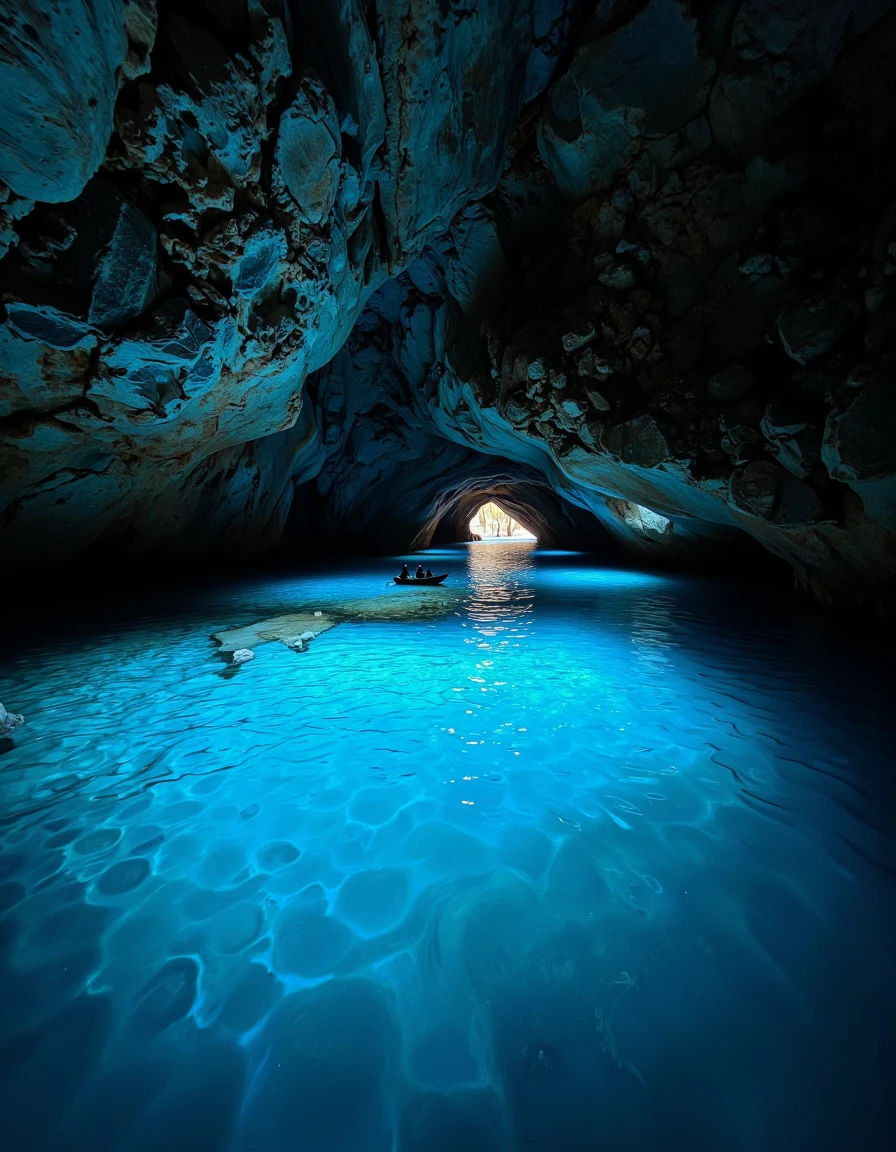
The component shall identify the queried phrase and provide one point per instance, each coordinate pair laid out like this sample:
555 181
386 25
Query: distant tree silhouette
492 521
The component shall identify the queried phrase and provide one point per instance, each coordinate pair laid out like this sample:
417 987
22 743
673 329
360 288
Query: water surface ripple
603 860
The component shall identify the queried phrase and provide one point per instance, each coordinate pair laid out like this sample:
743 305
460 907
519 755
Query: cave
586 840
492 521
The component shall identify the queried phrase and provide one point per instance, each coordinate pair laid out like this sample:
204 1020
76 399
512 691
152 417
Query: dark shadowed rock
124 278
731 384
648 76
794 441
859 441
13 208
813 328
777 53
643 441
755 488
765 490
799 504
800 452
47 325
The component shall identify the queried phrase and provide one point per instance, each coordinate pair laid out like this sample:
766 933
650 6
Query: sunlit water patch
602 860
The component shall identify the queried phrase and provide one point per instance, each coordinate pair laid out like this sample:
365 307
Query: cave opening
491 522
501 500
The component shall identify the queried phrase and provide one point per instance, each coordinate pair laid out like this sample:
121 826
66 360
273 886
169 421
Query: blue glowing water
601 861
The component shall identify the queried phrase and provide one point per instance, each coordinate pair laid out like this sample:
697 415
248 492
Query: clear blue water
602 861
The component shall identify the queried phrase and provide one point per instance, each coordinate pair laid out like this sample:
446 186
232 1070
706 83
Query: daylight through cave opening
491 522
510 503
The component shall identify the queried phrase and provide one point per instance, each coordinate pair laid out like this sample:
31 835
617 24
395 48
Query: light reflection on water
600 860
501 588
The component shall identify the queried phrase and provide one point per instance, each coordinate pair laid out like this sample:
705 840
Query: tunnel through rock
534 507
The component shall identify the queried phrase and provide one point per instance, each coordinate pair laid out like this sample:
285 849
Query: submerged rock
285 628
401 604
241 655
9 721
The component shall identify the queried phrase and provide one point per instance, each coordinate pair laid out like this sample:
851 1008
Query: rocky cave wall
408 451
393 472
271 263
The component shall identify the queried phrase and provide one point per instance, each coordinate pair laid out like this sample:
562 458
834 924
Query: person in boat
420 574
429 573
405 575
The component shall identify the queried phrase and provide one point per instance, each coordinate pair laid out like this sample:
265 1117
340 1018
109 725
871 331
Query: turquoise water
603 860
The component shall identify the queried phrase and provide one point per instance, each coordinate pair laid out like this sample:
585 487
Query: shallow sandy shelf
398 604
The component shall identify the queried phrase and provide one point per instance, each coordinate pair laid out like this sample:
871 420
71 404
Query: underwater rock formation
351 264
297 629
9 721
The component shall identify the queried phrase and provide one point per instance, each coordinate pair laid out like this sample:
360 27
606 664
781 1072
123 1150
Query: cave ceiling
271 268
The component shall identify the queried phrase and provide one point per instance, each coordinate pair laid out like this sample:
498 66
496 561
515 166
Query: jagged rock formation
631 259
398 469
9 721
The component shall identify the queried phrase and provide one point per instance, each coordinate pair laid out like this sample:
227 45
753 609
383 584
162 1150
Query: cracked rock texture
274 267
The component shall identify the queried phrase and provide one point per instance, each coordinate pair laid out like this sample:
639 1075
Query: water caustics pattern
602 861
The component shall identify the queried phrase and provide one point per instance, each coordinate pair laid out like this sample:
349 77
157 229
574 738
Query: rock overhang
683 305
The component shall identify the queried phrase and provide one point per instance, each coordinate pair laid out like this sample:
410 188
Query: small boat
422 579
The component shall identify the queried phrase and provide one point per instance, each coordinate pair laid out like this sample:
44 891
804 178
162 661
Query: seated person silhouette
405 575
419 574
428 572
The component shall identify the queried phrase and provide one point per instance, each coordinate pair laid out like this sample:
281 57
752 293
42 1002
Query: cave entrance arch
520 493
492 522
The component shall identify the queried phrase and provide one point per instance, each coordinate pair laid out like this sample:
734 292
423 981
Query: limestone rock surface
61 62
